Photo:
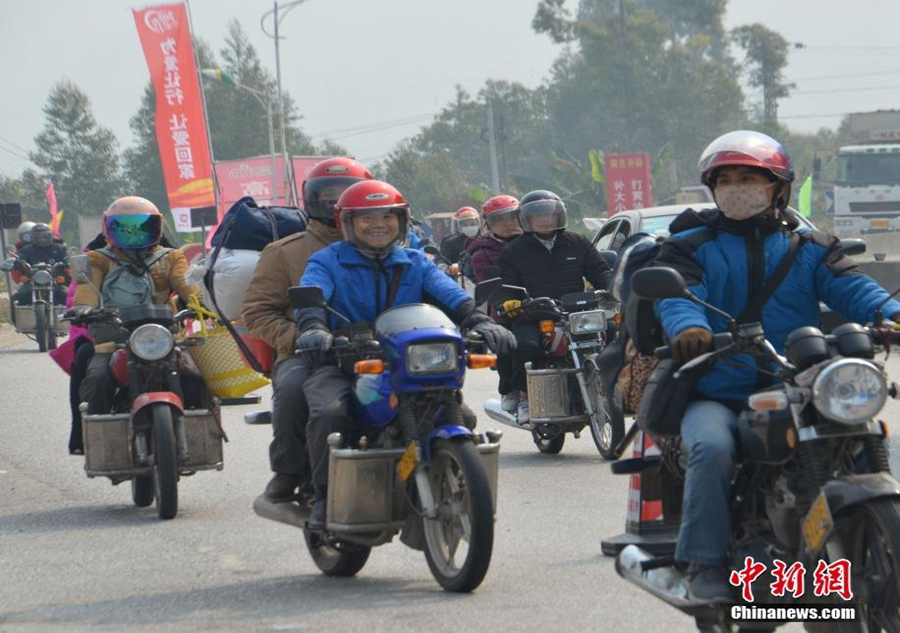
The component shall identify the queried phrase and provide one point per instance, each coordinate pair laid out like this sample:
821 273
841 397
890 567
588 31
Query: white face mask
470 231
743 201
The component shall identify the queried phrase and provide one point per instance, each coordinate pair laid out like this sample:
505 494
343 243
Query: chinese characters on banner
249 177
628 183
180 126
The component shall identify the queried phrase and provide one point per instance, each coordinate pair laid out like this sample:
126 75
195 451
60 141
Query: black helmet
41 235
536 209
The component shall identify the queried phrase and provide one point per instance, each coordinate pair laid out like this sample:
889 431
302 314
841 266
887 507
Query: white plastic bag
231 276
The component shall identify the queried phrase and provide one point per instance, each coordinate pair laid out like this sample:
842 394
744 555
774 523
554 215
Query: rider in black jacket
43 249
548 261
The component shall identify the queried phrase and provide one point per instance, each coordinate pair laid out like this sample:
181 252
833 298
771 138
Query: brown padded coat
266 311
168 276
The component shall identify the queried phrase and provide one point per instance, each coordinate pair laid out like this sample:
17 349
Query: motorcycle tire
42 327
460 487
872 543
609 430
549 445
142 490
336 558
165 462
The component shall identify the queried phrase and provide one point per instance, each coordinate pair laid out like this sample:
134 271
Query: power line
9 142
9 151
813 116
853 76
377 129
830 90
368 126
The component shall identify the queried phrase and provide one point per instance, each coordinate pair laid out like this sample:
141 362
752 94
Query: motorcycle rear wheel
337 558
165 462
548 445
41 326
462 494
142 490
609 429
873 545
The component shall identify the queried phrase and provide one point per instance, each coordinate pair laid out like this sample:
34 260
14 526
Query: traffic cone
646 525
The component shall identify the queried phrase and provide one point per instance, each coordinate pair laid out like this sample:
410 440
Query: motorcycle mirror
659 283
306 297
609 257
853 246
486 289
8 265
431 249
81 268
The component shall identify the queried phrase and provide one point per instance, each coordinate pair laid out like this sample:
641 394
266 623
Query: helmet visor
321 194
751 149
137 230
543 216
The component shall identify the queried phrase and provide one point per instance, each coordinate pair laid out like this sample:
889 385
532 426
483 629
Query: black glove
316 339
498 338
77 313
690 343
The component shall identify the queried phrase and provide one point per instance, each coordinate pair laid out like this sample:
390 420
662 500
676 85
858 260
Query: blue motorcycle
411 466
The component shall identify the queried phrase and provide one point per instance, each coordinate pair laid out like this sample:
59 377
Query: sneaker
76 451
708 583
316 521
510 401
282 488
523 413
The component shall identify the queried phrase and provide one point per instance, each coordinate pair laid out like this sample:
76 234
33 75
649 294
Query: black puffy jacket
552 273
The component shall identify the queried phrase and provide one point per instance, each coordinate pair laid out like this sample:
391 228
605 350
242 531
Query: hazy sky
352 63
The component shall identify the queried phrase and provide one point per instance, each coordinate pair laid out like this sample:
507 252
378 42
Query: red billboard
180 125
250 177
302 166
628 182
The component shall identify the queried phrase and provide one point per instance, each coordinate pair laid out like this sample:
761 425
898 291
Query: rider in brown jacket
268 315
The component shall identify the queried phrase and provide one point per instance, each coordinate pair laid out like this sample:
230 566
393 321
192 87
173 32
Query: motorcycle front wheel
608 423
165 462
460 540
873 548
334 557
41 326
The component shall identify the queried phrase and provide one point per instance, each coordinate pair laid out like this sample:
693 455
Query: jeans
290 414
709 434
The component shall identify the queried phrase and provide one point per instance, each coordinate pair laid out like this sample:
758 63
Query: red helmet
747 149
497 207
371 196
466 220
326 182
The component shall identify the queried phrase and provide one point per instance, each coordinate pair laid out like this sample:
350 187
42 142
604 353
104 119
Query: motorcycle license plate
818 524
408 461
879 224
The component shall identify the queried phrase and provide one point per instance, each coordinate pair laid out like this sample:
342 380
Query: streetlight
276 20
225 78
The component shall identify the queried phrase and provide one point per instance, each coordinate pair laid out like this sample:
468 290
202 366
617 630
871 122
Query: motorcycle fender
442 432
146 399
845 492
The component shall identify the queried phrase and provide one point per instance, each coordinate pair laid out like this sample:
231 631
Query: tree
77 154
767 57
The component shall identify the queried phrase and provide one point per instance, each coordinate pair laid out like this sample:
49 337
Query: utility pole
492 145
504 156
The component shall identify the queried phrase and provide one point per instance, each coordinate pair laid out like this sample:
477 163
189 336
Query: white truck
867 188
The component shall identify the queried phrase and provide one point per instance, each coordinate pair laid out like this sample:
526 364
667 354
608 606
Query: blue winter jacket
725 263
357 286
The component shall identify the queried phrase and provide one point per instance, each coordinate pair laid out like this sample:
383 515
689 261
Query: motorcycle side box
107 444
25 320
204 440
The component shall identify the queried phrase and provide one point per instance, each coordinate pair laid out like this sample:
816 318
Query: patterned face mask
743 201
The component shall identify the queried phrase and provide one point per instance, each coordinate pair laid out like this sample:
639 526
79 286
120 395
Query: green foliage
767 57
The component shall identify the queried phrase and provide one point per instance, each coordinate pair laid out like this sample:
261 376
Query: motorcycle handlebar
721 340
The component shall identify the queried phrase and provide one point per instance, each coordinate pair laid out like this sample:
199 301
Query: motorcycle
152 436
814 481
454 271
413 468
565 389
40 321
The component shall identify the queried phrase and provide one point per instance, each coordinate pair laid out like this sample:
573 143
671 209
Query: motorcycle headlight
42 278
432 358
850 391
587 322
151 342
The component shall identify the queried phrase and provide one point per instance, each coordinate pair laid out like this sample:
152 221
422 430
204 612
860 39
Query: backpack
126 285
247 226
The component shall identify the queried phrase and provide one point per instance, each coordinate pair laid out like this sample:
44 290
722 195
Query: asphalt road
75 554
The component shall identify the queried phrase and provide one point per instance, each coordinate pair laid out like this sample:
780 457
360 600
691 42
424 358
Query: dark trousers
98 386
505 373
528 350
83 353
22 296
288 454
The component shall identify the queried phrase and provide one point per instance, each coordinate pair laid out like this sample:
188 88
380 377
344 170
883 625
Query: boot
708 583
282 488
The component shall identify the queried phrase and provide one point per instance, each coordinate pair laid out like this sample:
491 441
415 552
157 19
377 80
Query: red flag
55 215
180 124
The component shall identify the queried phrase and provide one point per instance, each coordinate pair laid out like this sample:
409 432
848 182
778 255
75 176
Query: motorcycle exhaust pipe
666 583
627 439
288 513
495 412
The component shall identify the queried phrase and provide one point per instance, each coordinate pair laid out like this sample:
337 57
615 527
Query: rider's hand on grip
315 339
513 307
77 313
690 343
498 338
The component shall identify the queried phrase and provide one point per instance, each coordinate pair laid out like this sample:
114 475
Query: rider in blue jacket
726 255
362 277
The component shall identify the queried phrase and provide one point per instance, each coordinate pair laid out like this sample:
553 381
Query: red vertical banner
180 125
628 182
